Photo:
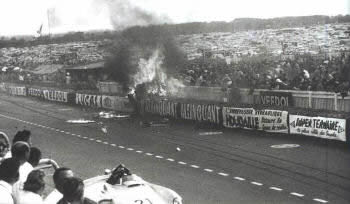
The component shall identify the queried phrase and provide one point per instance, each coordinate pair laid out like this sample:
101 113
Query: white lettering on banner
240 118
274 100
200 112
88 100
163 108
59 96
17 91
248 118
329 128
35 92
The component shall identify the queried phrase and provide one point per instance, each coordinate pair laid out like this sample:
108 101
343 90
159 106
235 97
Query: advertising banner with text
248 118
329 128
58 96
200 112
163 107
88 100
274 98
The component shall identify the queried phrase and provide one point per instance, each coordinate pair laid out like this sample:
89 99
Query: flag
40 29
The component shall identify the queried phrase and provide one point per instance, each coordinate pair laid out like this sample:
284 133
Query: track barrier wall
116 103
268 120
302 99
228 116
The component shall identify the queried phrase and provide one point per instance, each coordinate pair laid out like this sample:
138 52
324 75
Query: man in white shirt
8 176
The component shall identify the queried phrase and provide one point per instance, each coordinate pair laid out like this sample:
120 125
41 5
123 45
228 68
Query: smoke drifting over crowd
124 14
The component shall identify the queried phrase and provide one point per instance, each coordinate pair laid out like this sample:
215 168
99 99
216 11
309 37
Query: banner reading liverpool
248 118
329 128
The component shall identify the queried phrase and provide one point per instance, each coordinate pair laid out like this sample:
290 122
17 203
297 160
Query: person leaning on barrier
32 188
9 174
58 178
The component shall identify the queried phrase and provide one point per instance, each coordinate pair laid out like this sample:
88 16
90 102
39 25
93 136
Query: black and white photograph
174 102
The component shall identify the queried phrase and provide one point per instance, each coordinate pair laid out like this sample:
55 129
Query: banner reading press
329 128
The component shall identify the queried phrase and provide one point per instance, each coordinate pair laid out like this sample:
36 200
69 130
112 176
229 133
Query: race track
237 166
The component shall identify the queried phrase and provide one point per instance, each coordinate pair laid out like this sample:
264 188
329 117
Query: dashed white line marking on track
256 183
161 157
297 194
223 174
320 200
239 178
276 188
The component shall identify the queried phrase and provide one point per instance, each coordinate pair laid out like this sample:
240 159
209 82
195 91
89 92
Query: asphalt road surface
203 166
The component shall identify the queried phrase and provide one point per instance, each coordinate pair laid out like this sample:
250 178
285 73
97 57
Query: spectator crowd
304 72
22 182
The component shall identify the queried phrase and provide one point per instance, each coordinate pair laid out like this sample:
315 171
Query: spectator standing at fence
8 176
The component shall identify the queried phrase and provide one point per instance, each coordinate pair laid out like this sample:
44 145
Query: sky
24 17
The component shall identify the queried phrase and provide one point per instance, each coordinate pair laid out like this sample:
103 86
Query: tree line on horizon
239 24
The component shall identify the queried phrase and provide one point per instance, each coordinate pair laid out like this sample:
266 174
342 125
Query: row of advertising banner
92 100
268 120
276 121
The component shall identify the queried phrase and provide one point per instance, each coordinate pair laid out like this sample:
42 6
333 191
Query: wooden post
310 99
335 101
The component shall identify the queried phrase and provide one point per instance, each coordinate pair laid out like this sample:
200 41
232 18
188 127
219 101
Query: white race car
122 187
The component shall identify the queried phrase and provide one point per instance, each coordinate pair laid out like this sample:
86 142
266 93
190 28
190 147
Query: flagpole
48 22
48 25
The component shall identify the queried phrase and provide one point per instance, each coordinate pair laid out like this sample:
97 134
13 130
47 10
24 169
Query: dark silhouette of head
35 182
59 176
21 151
9 170
73 189
34 156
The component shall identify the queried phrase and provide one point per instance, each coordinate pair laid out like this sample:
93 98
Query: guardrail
302 99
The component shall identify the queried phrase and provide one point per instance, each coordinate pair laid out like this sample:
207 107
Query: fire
151 73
